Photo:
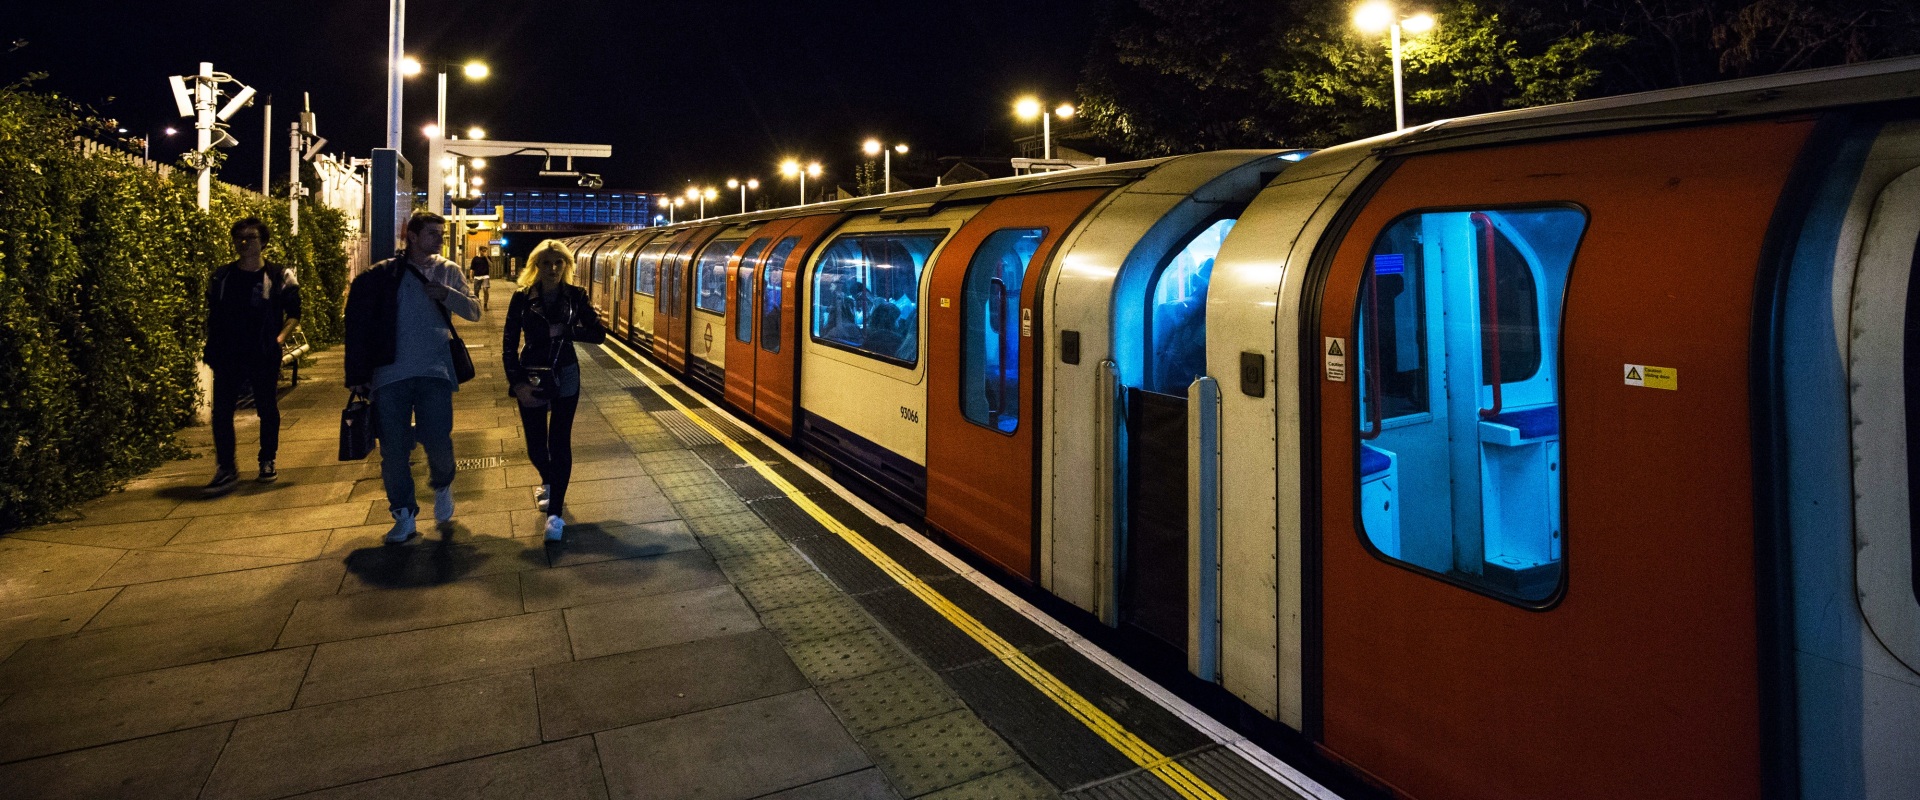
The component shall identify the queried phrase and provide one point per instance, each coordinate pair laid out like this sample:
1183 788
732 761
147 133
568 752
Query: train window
646 267
770 287
1177 312
710 276
866 293
991 330
743 291
1457 396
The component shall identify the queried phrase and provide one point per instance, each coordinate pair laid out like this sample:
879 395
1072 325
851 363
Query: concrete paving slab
732 753
1019 783
300 546
932 754
285 520
120 507
331 619
867 784
642 622
735 545
61 718
124 535
163 767
400 661
568 770
561 587
847 656
629 688
833 616
39 569
434 561
186 598
252 496
103 653
147 566
799 588
762 566
886 699
591 542
34 617
325 746
631 511
632 488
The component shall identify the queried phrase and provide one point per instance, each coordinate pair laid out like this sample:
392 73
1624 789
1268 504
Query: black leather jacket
528 314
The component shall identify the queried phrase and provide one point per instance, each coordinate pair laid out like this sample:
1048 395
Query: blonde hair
531 275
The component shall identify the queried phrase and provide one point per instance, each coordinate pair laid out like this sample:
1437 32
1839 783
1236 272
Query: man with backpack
252 306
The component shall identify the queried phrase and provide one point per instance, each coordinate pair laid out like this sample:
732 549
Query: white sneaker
556 528
402 527
541 495
443 504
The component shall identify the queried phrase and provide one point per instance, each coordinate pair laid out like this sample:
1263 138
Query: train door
671 304
743 286
1153 595
776 355
707 316
1510 606
646 287
981 373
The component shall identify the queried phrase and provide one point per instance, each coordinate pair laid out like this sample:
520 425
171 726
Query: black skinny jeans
550 445
227 380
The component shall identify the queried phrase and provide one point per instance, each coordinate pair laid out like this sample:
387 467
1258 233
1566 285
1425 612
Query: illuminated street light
479 163
430 130
1027 108
734 183
1380 15
476 70
873 148
410 66
791 169
476 133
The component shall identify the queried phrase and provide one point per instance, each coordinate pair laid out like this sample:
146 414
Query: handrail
1371 356
1490 311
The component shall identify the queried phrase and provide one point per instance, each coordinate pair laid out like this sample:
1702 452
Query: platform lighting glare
448 162
900 148
479 163
1027 107
753 183
1373 17
871 147
431 130
410 66
813 170
790 168
710 193
478 181
733 183
1418 23
476 133
1065 111
172 131
476 70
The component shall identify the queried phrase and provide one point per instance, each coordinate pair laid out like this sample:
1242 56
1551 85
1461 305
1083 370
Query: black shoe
267 472
223 481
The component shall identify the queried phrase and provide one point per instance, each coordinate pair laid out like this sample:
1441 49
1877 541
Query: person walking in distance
544 373
399 324
252 306
482 271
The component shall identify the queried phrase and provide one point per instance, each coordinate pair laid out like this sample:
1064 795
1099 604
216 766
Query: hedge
103 271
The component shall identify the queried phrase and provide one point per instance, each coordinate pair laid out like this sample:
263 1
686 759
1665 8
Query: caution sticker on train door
1653 377
1336 359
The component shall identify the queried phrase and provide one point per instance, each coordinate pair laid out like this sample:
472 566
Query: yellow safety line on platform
1133 747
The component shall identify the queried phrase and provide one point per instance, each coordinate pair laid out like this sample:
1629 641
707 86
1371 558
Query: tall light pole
197 96
872 148
396 67
1027 108
791 168
1379 14
474 71
734 183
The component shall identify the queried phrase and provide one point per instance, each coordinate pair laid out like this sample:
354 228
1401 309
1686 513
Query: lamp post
1027 108
1379 14
791 168
751 183
872 148
474 71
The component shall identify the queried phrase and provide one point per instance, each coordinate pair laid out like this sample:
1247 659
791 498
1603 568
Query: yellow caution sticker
1653 377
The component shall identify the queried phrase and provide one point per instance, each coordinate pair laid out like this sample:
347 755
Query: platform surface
719 623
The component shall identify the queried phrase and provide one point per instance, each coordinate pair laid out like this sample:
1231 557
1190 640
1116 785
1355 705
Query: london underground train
1553 453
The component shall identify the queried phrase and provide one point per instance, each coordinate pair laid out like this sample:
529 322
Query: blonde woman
544 373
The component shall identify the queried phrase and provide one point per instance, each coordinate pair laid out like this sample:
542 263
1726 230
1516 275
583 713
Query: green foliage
1175 76
103 274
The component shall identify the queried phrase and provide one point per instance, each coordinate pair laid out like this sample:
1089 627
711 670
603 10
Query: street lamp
1029 107
474 71
1378 15
791 168
752 183
873 148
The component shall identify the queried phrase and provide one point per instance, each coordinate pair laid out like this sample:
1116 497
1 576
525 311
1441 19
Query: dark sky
690 91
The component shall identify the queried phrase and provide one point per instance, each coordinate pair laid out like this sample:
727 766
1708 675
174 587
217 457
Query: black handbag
356 428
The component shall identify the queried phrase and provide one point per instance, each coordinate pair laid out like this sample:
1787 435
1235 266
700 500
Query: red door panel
740 362
776 390
675 299
979 479
1641 681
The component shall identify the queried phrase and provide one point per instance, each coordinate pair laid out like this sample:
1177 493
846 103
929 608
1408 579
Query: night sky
694 91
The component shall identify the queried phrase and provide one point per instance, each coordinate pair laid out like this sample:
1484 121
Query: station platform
722 621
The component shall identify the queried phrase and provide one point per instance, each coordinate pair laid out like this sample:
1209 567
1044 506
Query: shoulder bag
456 347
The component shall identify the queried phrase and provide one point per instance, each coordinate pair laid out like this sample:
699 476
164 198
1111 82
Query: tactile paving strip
929 635
648 399
946 750
834 616
886 699
762 566
709 508
863 652
748 485
1019 783
691 492
1221 768
667 462
1052 740
727 524
799 588
653 442
845 565
788 520
683 429
735 545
